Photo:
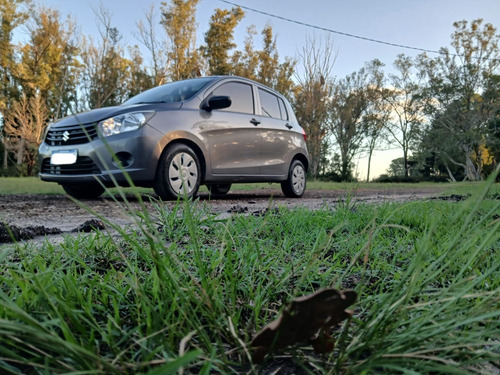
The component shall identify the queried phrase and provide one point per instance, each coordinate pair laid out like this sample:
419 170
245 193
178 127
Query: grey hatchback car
212 130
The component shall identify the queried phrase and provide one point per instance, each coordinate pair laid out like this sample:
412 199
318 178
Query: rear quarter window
284 114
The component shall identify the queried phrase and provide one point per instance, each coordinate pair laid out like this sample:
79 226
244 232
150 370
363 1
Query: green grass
33 185
27 185
186 290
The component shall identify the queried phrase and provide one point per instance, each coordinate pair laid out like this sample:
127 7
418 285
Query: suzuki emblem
65 136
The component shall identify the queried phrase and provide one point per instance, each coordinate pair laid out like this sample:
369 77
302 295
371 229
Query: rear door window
269 104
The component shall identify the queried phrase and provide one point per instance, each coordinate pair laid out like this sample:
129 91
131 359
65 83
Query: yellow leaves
48 56
482 156
219 39
178 20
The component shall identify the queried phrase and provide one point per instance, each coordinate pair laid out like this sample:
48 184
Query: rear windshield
171 92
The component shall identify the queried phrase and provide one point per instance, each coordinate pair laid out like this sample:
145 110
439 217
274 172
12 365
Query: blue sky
425 24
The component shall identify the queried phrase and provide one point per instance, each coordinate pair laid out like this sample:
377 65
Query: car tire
295 184
84 191
218 189
178 173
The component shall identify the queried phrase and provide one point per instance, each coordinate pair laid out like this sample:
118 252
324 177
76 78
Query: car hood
100 114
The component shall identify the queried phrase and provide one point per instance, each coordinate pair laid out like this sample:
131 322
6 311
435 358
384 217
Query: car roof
220 78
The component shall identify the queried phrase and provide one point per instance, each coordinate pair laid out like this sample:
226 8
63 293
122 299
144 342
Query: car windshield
171 92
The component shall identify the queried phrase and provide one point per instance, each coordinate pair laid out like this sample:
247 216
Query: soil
38 216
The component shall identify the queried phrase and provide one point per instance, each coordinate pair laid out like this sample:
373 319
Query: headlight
124 123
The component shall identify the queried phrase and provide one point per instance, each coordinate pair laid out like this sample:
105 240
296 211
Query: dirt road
56 214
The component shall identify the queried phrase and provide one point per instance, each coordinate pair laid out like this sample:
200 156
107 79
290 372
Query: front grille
83 165
71 135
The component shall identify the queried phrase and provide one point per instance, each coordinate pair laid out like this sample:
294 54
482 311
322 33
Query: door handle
255 122
289 126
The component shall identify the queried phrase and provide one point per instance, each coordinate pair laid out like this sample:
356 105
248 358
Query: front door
233 133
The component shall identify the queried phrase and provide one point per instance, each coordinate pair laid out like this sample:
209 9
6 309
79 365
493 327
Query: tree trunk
20 151
472 172
346 174
5 157
452 178
313 169
405 157
370 153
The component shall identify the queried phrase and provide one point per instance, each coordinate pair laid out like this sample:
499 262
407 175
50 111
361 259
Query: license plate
63 157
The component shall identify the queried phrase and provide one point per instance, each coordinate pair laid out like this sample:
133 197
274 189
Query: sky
420 24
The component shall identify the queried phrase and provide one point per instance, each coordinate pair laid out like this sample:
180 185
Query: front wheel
84 191
295 184
178 173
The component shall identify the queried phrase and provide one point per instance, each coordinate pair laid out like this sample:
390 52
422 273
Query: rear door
279 139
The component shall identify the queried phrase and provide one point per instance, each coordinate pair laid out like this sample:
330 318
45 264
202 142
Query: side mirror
216 102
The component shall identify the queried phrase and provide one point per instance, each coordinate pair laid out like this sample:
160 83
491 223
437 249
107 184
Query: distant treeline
443 112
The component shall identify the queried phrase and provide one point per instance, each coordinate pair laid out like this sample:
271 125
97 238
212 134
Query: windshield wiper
159 101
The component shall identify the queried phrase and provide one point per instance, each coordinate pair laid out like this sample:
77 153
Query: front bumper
108 160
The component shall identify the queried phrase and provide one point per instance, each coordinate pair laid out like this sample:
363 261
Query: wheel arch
303 159
197 150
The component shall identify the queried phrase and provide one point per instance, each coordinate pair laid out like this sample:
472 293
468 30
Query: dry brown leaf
306 319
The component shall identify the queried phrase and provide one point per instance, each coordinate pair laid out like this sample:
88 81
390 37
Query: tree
219 40
264 65
138 79
147 36
24 125
407 104
268 58
377 112
48 64
457 81
374 125
179 22
492 99
396 168
246 62
45 73
271 72
311 99
10 18
106 70
353 102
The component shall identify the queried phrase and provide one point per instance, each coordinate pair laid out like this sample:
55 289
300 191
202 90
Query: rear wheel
218 189
295 184
84 191
178 173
